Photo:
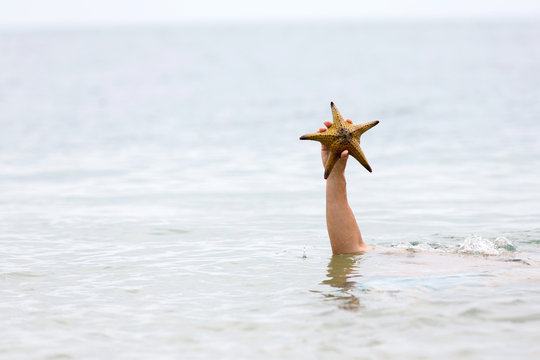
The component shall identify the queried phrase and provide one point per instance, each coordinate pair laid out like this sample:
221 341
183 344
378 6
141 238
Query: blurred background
168 109
149 153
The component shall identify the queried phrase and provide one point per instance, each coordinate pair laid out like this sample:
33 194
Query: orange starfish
339 137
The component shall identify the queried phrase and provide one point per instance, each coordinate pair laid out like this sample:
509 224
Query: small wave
415 246
478 245
472 244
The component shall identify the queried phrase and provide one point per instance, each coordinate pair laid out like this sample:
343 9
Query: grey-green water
155 200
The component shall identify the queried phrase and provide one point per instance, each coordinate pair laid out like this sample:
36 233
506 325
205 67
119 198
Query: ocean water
155 201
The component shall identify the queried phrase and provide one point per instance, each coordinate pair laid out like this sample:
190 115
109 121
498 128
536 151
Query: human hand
339 168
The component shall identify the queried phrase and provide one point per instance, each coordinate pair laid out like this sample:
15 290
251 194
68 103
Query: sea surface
156 203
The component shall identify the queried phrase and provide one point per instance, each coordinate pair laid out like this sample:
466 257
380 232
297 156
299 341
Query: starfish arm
358 154
333 157
324 137
339 123
362 128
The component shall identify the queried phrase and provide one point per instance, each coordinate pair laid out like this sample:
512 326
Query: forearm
343 230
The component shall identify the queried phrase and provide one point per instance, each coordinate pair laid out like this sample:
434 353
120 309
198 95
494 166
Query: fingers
328 124
321 130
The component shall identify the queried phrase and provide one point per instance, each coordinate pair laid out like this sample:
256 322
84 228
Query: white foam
472 244
478 245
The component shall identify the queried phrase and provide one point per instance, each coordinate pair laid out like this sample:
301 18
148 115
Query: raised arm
345 237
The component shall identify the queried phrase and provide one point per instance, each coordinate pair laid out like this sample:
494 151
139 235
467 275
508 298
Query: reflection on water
342 271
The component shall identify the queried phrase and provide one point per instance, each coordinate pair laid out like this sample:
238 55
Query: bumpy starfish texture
339 137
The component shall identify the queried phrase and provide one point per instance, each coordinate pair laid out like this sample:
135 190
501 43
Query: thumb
344 155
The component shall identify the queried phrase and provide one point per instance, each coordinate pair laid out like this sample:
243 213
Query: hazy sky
89 12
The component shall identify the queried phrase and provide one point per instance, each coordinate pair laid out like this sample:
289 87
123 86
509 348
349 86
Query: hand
339 168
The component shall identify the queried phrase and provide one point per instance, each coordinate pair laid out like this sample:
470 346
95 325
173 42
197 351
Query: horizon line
250 21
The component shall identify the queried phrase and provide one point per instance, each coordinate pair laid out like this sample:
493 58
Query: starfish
339 137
